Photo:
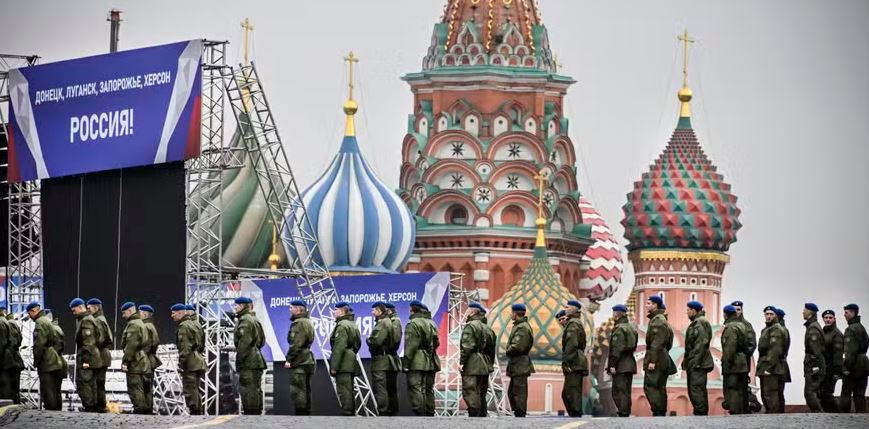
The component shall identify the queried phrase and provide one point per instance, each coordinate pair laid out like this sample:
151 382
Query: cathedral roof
604 257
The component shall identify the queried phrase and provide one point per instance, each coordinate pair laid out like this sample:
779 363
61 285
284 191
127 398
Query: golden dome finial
541 221
685 94
350 106
274 258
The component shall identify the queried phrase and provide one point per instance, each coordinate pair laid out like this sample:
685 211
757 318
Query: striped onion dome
604 257
361 225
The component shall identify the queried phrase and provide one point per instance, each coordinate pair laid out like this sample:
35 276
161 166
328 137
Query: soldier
621 363
87 355
574 363
49 364
814 365
392 376
754 405
420 359
833 350
147 313
107 343
787 377
380 345
657 364
343 365
734 362
519 366
135 363
12 364
770 363
698 359
249 361
855 365
562 318
475 361
4 345
190 342
300 359
58 344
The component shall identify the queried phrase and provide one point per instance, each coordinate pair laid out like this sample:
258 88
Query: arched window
501 125
423 127
693 296
457 215
472 125
513 215
531 126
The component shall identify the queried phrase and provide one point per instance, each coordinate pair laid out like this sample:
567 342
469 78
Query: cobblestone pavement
14 417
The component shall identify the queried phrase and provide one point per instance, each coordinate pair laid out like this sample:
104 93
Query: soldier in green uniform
833 350
657 364
58 344
751 345
136 343
770 362
343 364
519 367
475 360
574 363
249 362
300 359
87 354
49 364
147 313
787 377
561 316
698 359
734 362
12 364
380 344
814 364
855 365
392 376
107 343
190 342
621 363
420 359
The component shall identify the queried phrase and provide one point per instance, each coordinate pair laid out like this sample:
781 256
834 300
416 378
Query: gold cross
247 29
557 63
541 180
685 41
350 59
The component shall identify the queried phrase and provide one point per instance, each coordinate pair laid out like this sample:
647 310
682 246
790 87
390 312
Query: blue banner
272 304
124 109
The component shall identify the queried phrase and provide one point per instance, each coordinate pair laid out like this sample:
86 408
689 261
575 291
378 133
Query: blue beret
574 303
620 307
33 305
146 307
2 308
769 308
811 306
94 301
695 305
830 312
127 305
729 309
518 307
780 313
477 305
425 307
243 300
560 314
657 300
416 303
342 304
737 303
76 302
190 307
178 307
389 305
299 303
852 307
378 304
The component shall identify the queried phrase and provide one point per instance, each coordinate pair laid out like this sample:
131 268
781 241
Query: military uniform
519 366
392 376
659 340
249 361
734 366
58 344
421 361
476 360
4 345
833 350
814 364
136 344
301 360
107 343
698 362
622 364
753 403
190 342
574 364
380 345
12 364
154 343
50 365
787 377
770 365
87 352
345 343
855 367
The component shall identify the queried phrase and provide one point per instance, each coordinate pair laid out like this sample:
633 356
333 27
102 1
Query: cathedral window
513 215
457 215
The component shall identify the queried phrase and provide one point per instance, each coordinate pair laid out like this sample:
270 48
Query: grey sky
781 106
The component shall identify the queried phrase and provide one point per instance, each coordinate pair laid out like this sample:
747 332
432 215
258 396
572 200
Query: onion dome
604 258
362 226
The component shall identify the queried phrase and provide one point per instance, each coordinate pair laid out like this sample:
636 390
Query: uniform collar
856 319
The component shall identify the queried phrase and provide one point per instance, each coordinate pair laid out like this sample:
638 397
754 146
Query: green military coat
45 356
750 336
697 339
623 344
573 359
659 341
345 343
733 346
396 339
136 343
380 344
814 362
420 344
190 342
11 355
518 347
771 350
834 348
856 343
87 342
249 340
106 338
477 347
300 337
154 343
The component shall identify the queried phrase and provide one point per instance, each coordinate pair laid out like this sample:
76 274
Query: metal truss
168 396
449 383
24 269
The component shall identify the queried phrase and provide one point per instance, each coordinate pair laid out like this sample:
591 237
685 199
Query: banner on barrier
272 304
124 109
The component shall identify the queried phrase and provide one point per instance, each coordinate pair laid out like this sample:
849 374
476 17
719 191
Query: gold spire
274 258
350 106
541 221
246 25
685 94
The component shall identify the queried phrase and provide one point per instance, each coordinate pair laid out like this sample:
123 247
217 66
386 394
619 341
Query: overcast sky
781 106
